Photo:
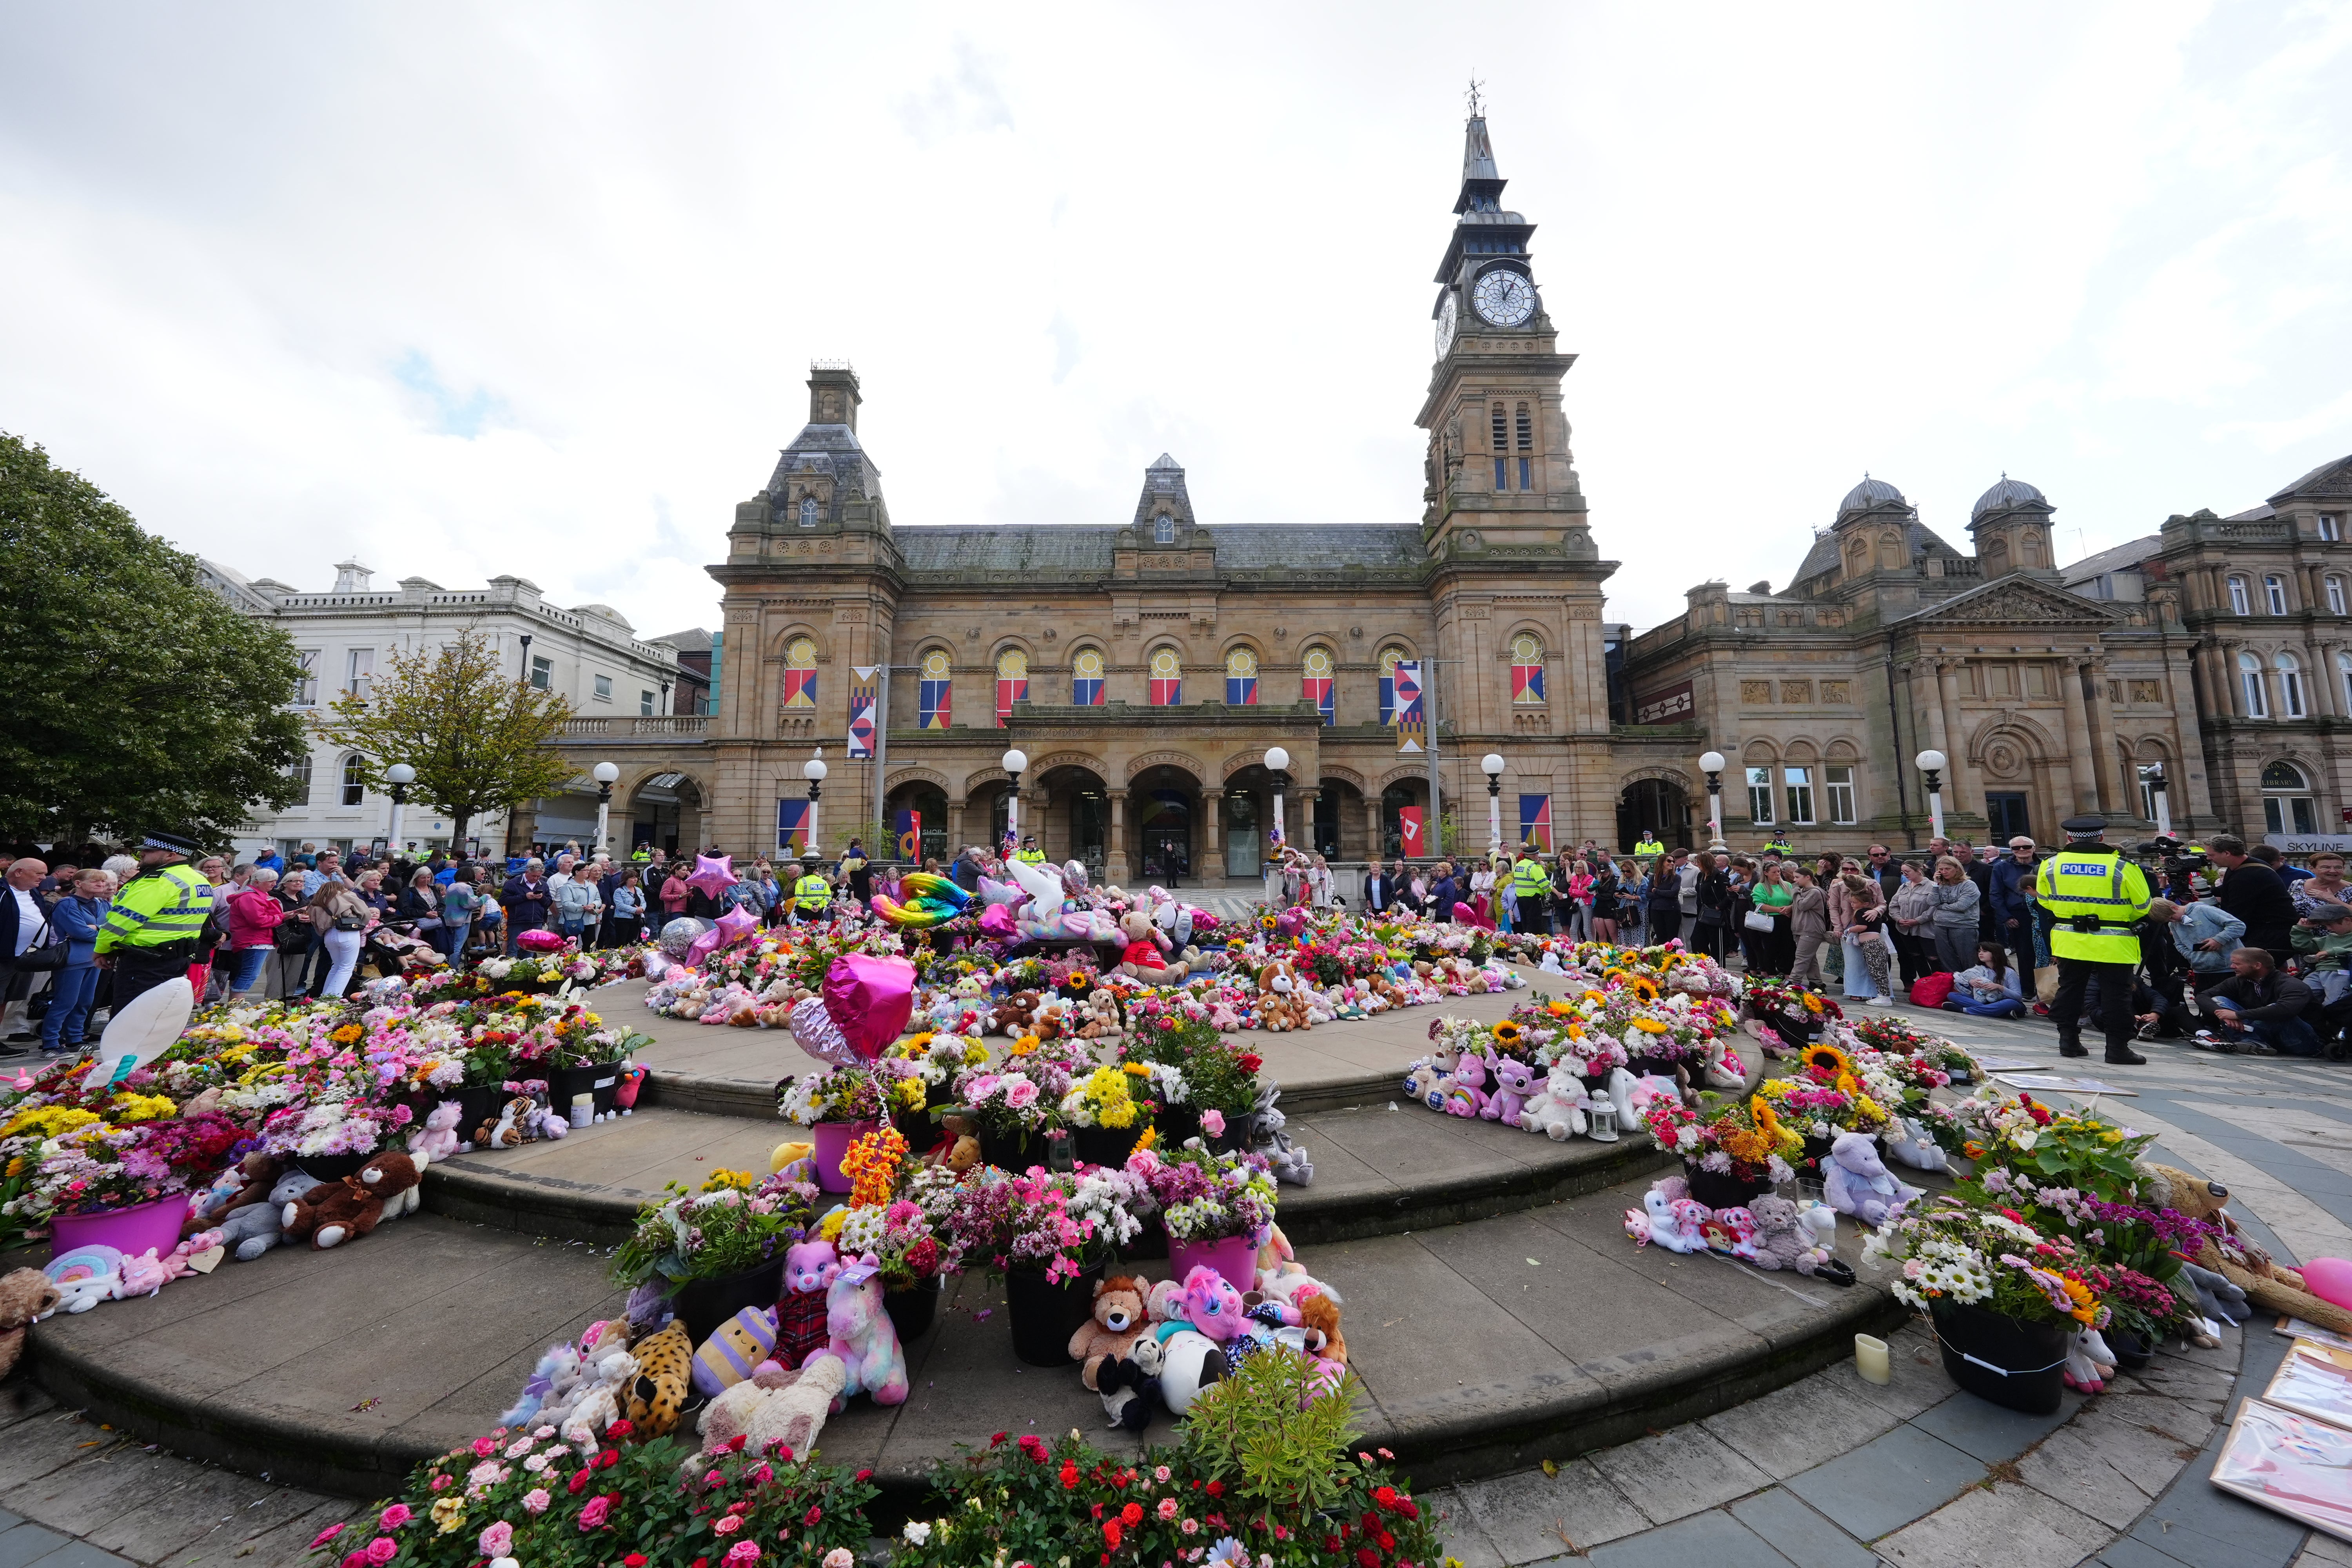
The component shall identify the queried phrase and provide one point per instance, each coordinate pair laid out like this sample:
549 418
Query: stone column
1956 740
1300 818
1211 864
955 829
2318 694
2086 788
2103 748
1115 841
1375 848
2330 680
2226 656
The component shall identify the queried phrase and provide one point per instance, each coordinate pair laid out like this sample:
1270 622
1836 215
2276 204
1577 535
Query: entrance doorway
1653 805
1241 836
1164 827
2005 809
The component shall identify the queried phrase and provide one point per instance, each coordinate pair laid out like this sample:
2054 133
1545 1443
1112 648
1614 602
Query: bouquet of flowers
1059 1223
2018 1134
842 1094
1825 1096
729 1226
1791 1015
1746 1140
1207 1196
1106 1098
1953 1253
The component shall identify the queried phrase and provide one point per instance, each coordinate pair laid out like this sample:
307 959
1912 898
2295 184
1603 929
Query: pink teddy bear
1466 1095
1515 1084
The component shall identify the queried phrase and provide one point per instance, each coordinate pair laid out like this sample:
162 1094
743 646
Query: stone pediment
2017 601
2329 481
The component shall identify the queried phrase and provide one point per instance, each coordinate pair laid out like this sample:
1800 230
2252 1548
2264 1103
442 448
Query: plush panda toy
1189 1362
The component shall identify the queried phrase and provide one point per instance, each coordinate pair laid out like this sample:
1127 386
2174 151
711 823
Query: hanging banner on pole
1535 822
909 827
1411 712
1408 828
865 687
792 825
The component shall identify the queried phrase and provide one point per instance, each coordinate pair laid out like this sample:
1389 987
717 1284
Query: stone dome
1870 493
2008 493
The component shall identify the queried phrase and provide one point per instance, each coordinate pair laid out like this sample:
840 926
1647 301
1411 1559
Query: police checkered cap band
175 843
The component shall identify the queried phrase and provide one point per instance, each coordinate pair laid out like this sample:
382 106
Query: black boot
2124 1057
2072 1048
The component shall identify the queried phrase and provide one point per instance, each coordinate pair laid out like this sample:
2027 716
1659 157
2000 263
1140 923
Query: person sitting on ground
2323 947
2259 1008
1989 990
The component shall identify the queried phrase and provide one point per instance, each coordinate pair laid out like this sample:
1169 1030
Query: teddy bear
1113 1326
1142 957
25 1294
246 1182
1668 1216
251 1229
810 1267
1783 1241
437 1138
2266 1284
1515 1084
775 1407
1466 1095
1424 1081
657 1395
1015 1015
1558 1109
335 1212
1318 1314
860 1334
1857 1183
1909 1144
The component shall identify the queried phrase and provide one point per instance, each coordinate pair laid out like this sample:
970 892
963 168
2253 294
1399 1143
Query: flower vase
1046 1313
703 1304
1235 1256
1106 1145
1722 1190
2008 1361
142 1228
1015 1151
833 1139
914 1310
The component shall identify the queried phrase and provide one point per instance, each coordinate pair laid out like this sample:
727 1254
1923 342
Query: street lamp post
2163 806
1016 763
604 773
400 775
1711 764
1931 765
525 675
1277 767
1491 764
814 770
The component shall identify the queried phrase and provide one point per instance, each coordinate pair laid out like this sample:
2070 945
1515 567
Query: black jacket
2275 999
2257 895
1380 890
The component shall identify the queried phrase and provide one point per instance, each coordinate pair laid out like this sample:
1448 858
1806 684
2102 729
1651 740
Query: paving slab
1714 1537
1888 1482
28 1543
2107 1463
1678 1472
1800 1534
1991 1432
1530 1516
1791 1430
2033 1532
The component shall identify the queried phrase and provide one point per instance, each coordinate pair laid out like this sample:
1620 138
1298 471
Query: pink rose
394 1517
497 1539
535 1500
357 1558
1019 1093
741 1552
331 1531
382 1549
727 1526
485 1446
593 1516
1212 1122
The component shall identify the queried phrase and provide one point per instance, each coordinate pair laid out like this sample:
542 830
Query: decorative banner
1527 668
909 827
934 691
1412 714
1086 678
1409 821
1317 685
1535 822
792 825
865 704
1240 679
800 673
1668 706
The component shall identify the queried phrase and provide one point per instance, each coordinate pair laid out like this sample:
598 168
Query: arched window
2250 680
1319 685
1163 529
2287 806
1526 670
2344 678
800 673
2237 605
1390 658
1011 682
2335 595
1087 678
1167 685
935 693
2275 594
2290 674
809 511
1240 679
354 781
300 774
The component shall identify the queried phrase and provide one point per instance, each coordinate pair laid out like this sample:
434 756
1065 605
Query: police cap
2084 827
178 843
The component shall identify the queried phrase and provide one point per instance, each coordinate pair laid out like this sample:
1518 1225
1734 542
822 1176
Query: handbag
1757 919
43 956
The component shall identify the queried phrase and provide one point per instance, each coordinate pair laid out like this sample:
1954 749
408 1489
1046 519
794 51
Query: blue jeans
2288 1037
71 994
451 939
249 963
2007 1007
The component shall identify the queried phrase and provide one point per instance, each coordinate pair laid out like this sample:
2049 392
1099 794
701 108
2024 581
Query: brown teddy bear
2266 1284
1015 1015
334 1211
25 1294
1117 1323
1319 1315
258 1171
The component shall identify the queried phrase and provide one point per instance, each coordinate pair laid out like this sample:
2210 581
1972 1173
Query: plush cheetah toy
665 1373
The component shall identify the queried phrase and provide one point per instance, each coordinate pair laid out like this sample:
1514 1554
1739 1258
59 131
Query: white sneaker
1880 1002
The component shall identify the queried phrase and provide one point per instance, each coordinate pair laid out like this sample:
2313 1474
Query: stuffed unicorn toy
861 1336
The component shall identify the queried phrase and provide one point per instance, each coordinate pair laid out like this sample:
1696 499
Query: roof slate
1066 551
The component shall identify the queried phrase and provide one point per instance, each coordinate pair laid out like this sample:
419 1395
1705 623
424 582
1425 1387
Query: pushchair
392 950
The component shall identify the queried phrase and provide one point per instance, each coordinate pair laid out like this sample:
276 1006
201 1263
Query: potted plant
1732 1151
715 1252
591 1056
1824 1097
1793 1016
1195 1071
1217 1208
123 1184
1050 1235
1104 1116
896 1214
1011 1111
838 1107
2005 1298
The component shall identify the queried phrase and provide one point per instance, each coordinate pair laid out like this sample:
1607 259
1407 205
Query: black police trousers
2114 1002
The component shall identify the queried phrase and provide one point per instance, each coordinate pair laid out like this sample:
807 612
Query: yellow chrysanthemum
1023 1045
829 1227
722 1179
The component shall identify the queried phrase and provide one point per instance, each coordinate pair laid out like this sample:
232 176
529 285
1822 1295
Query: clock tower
1499 457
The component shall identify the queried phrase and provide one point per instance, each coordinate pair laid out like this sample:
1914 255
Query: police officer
1531 885
155 927
1029 853
812 895
2096 899
1648 847
1777 844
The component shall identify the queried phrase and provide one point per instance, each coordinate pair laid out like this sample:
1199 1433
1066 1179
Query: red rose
1069 1475
621 1428
1252 1061
1385 1496
1131 1515
813 1517
1368 1557
864 1476
1216 1489
1410 1508
579 1482
634 1560
1111 1534
998 1441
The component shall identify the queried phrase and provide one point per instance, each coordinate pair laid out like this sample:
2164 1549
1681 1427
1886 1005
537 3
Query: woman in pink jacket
254 913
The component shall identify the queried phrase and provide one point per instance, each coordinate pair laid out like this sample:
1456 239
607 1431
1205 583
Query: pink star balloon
713 874
735 925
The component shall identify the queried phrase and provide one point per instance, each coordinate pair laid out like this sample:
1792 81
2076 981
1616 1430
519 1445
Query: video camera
2170 856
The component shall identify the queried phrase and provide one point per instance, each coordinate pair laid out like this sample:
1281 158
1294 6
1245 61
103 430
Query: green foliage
479 738
136 698
1249 1431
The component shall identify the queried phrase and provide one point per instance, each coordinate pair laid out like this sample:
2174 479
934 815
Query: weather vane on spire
1474 101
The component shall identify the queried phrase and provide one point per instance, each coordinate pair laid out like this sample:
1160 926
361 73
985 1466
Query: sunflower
1506 1033
1827 1060
1648 1026
1023 1045
1646 986
1767 1121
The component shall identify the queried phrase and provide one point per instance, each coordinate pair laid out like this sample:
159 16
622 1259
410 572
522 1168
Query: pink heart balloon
997 922
2330 1279
869 1000
713 874
1290 921
735 925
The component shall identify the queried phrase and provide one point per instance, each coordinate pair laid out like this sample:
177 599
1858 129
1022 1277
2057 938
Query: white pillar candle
1870 1359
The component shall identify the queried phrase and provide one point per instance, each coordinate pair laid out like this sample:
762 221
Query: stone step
1378 1170
1482 1348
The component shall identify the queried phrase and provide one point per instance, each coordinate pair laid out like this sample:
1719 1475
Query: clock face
1504 298
1448 318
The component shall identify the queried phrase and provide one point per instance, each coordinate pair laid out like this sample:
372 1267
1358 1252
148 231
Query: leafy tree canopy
479 738
134 698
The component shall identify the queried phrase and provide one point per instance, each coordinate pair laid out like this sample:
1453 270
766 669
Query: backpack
1931 990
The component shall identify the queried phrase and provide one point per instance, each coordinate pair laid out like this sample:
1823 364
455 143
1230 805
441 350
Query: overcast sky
532 289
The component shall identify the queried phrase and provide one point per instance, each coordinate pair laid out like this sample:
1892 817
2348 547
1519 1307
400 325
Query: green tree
479 739
135 698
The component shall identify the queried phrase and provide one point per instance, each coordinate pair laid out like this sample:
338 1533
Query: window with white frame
646 704
2275 594
2330 528
2290 674
1163 529
2238 604
359 671
2146 774
1759 794
1839 783
306 685
2335 595
604 688
543 672
1801 795
2287 806
2250 680
809 511
300 775
354 781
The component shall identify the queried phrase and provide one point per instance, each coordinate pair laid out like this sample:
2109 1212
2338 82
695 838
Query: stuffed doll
775 1407
246 1182
1129 1391
197 1254
1558 1109
25 1294
1112 1327
1856 1182
1267 1137
252 1229
1668 1216
733 1350
1730 1232
657 1395
1466 1095
860 1334
335 1212
1515 1084
1424 1081
437 1138
2266 1284
810 1269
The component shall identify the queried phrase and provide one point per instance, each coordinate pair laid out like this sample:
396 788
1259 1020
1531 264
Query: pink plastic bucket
832 1140
130 1231
1235 1258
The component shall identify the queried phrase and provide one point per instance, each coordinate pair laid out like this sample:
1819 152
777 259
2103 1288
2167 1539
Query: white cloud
531 290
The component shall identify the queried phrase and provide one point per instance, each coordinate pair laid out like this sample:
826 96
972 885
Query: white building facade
589 654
